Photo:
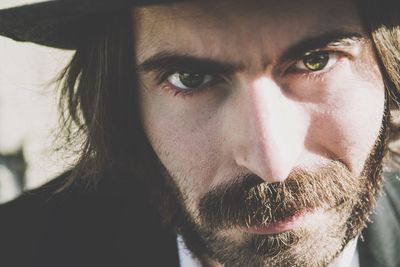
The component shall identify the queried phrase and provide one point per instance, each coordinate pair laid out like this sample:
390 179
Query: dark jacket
115 226
381 245
111 226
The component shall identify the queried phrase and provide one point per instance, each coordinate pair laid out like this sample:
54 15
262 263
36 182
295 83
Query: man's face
264 115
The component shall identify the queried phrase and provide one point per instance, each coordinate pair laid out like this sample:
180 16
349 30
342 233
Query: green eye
316 61
191 80
188 80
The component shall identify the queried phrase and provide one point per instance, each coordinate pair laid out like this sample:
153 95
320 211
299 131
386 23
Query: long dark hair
99 102
381 19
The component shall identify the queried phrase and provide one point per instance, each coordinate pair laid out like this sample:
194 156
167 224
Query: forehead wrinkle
176 28
188 42
164 29
180 11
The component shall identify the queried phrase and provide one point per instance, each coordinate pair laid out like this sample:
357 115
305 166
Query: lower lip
278 227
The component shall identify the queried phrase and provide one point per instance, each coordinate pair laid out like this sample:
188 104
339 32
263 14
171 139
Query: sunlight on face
232 89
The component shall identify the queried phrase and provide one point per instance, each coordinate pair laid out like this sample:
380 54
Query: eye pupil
316 61
191 80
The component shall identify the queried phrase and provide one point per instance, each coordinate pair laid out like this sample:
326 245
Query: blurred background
28 114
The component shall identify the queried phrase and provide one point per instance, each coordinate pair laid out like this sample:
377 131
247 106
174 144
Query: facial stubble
346 200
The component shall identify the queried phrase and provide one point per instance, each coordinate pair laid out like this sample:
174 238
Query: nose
271 130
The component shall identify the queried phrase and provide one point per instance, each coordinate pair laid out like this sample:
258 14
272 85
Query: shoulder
76 227
44 225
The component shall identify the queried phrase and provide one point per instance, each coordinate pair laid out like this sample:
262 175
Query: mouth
285 224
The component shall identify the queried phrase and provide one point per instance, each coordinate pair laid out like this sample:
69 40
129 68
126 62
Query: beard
214 233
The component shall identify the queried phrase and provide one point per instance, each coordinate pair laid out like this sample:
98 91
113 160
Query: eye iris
191 80
316 61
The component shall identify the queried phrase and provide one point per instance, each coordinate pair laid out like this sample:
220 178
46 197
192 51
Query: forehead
255 30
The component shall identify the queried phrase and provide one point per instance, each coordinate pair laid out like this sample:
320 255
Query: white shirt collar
348 258
185 257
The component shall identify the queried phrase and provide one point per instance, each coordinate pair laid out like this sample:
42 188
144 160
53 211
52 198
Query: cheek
352 120
185 140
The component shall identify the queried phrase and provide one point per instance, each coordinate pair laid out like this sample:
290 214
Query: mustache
250 201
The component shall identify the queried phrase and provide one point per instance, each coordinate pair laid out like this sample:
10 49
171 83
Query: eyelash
288 70
170 88
316 75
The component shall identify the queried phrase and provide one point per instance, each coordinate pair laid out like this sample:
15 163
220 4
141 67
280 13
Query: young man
253 132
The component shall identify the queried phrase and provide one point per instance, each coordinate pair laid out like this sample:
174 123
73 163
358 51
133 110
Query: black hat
59 23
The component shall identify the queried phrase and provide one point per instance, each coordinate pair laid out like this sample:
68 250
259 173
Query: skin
264 118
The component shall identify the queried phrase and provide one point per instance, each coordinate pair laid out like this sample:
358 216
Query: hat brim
60 23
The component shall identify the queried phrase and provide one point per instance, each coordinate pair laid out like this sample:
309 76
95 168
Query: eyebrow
332 39
175 61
